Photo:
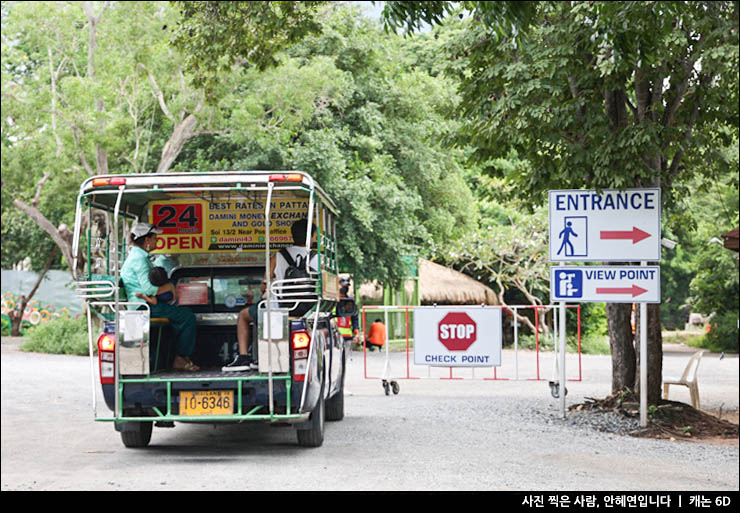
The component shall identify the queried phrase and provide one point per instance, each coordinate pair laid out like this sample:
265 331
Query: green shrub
58 336
723 333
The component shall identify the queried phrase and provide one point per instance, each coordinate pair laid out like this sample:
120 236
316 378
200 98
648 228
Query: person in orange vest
375 336
349 325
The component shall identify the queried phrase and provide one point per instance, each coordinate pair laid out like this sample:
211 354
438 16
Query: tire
314 435
139 436
335 405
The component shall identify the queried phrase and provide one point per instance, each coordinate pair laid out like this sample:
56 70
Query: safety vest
344 324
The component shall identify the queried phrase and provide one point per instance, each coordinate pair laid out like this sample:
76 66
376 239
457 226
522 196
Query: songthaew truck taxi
216 236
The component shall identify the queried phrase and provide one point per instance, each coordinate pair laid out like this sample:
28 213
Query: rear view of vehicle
218 233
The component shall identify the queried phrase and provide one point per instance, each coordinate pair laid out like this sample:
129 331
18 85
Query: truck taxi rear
218 233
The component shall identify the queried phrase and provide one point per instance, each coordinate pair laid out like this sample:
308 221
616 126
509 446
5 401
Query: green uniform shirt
135 276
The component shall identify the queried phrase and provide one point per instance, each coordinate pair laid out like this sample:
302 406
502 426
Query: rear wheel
314 435
137 434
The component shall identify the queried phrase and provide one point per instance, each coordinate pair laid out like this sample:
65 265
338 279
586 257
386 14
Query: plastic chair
688 379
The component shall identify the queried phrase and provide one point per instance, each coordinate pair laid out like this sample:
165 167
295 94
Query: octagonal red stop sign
457 331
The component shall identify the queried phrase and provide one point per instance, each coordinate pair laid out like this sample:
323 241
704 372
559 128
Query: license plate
206 402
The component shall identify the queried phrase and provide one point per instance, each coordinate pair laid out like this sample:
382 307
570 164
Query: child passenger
158 277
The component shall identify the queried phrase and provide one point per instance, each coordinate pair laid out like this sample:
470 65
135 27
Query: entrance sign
608 284
457 336
612 226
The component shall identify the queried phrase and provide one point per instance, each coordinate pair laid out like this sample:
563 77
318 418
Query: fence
397 320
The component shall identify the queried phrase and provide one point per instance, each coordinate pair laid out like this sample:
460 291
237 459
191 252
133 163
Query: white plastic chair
688 379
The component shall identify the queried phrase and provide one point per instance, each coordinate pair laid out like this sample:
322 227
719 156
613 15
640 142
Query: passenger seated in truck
289 263
158 278
135 277
244 361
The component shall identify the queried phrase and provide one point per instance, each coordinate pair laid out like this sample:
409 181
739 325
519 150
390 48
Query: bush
58 336
723 333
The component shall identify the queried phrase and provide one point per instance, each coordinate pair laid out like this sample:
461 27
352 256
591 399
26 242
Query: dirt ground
670 420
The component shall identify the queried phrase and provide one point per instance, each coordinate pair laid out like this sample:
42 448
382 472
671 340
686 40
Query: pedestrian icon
565 234
569 284
573 237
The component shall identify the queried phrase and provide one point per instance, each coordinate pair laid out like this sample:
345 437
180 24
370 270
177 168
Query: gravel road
437 434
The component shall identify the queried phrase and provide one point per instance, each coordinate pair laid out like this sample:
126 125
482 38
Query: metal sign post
643 362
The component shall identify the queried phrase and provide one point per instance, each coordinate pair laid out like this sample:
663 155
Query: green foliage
215 36
723 333
715 284
61 335
593 320
590 344
573 98
352 109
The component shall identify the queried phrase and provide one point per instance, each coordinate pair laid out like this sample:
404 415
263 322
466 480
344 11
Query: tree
508 248
87 89
215 36
603 95
350 106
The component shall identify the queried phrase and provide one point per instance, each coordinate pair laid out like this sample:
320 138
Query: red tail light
300 341
107 358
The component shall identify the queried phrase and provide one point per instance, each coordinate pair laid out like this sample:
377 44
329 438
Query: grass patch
590 344
697 339
58 336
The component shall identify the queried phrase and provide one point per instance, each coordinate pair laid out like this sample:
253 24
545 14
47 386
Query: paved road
470 434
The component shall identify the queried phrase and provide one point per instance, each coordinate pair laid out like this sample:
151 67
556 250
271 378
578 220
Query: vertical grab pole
312 343
268 274
92 358
116 363
643 361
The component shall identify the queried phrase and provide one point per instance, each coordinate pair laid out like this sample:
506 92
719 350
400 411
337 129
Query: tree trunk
655 354
62 236
16 315
621 343
180 135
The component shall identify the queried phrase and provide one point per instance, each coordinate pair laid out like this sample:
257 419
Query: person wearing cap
135 277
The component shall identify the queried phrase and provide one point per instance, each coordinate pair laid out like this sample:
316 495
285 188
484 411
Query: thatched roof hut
731 240
440 285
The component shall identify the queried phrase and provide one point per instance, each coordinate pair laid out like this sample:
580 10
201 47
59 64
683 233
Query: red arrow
634 290
635 234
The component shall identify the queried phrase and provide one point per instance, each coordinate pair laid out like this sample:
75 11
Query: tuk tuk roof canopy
144 187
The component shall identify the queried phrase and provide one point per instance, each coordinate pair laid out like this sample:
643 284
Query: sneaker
253 365
239 364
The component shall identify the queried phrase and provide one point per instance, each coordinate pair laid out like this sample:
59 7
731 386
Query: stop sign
457 331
